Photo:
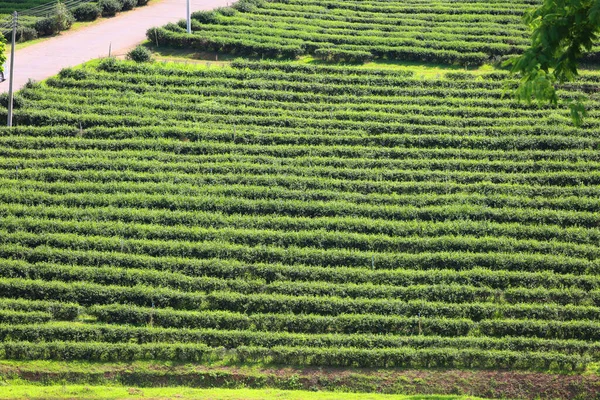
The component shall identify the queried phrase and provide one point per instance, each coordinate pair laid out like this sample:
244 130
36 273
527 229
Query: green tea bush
63 17
46 26
110 7
18 100
25 33
87 12
128 4
140 54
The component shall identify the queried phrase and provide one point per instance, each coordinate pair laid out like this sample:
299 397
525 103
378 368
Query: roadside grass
18 390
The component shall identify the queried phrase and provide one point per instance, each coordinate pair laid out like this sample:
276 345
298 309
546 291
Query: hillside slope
300 215
284 223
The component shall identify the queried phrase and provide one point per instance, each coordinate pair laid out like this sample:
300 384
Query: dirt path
122 32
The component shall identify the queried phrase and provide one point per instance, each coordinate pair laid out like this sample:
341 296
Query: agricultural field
468 33
380 226
301 215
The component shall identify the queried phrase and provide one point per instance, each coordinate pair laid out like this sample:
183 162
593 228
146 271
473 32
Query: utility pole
12 68
189 18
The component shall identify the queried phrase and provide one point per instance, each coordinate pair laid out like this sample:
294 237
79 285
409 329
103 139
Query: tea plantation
450 32
305 212
296 214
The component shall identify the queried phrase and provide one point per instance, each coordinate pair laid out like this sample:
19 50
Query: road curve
47 58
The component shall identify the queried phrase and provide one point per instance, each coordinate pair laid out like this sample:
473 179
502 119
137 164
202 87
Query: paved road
123 32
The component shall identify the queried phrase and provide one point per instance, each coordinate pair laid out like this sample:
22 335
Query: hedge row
302 239
59 310
175 221
308 256
232 339
399 357
271 272
261 205
358 323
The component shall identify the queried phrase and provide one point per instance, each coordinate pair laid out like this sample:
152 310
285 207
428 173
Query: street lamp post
189 18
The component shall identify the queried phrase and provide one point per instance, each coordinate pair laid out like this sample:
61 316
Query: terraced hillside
441 31
301 215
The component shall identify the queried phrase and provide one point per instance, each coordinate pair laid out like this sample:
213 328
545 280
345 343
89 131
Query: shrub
140 54
63 17
17 100
128 4
87 12
73 73
205 17
156 35
109 7
108 64
142 2
226 11
32 84
46 26
26 33
246 6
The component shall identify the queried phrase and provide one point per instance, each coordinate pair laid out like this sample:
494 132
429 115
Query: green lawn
26 391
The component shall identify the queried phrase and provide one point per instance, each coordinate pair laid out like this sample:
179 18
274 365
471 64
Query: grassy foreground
27 391
145 379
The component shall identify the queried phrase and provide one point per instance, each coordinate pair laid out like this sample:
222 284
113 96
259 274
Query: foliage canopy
562 31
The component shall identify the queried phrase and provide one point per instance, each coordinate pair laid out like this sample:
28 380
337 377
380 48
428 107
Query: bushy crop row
324 299
24 317
350 323
374 121
192 136
277 94
59 310
359 190
459 171
231 339
301 239
422 358
180 221
416 162
279 103
271 272
535 214
309 255
399 357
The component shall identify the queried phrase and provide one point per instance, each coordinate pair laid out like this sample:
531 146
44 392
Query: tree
562 31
